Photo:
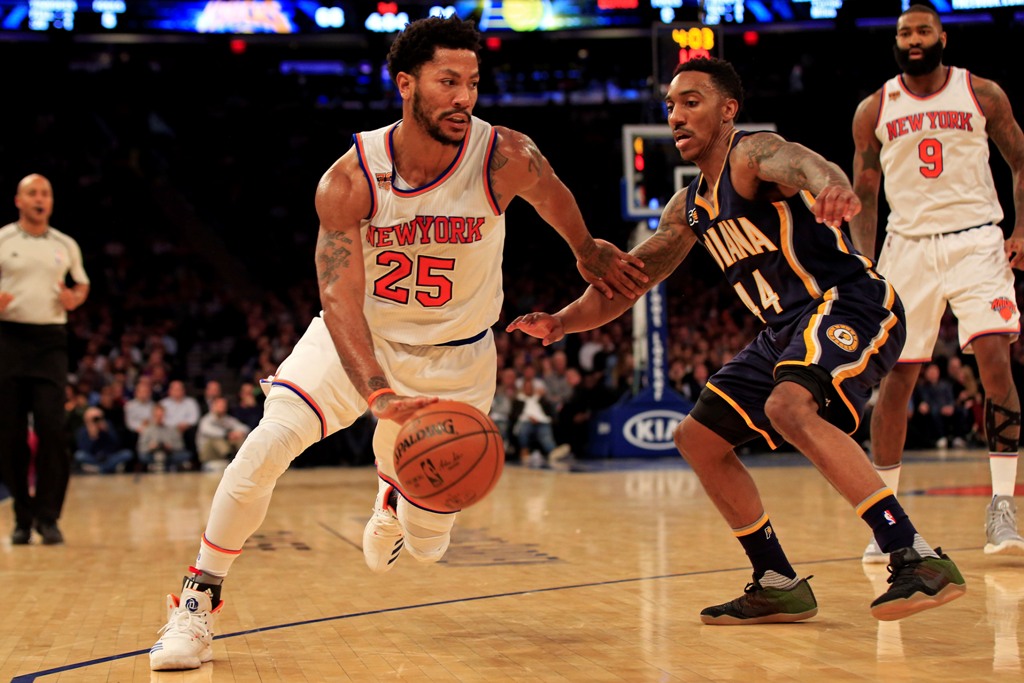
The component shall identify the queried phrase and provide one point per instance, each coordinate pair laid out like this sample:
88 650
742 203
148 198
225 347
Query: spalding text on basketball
444 427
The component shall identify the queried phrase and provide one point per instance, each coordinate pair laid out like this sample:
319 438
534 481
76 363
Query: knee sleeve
288 428
1002 428
427 534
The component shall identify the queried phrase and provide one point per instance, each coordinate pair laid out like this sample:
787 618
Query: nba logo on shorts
889 518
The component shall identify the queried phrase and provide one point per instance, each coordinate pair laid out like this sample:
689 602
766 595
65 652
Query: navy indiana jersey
776 255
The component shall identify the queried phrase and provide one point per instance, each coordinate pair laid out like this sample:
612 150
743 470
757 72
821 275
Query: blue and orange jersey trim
970 90
390 481
447 173
488 190
361 155
298 391
904 88
216 547
881 105
986 333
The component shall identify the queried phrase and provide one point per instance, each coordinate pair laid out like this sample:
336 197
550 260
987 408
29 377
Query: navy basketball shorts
839 348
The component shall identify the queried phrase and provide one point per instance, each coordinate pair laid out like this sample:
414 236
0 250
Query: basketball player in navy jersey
769 212
928 130
412 227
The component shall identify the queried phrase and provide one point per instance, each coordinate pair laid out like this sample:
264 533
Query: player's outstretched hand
836 204
399 408
544 326
1014 248
610 270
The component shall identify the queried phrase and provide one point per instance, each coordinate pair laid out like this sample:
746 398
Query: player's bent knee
427 534
286 430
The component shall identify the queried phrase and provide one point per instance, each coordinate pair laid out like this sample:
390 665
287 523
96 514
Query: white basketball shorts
313 373
968 270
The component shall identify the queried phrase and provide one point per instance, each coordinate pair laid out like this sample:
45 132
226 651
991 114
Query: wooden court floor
558 576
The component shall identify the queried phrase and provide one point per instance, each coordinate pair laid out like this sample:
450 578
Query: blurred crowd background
186 172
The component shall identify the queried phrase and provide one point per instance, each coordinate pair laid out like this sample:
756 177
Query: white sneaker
1001 528
874 555
382 538
186 639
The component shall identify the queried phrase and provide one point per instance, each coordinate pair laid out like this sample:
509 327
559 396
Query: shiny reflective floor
594 575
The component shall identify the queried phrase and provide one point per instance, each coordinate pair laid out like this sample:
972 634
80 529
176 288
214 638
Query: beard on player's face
432 125
930 58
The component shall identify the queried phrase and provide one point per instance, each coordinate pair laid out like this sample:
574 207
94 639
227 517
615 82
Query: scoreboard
297 17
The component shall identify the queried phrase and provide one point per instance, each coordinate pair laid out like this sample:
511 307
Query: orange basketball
448 456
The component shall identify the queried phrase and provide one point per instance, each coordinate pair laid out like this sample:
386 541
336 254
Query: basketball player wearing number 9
927 130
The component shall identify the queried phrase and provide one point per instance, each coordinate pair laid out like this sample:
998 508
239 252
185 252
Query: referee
35 261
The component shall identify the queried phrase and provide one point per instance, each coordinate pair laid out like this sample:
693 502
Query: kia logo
652 429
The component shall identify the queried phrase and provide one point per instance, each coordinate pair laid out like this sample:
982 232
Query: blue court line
30 677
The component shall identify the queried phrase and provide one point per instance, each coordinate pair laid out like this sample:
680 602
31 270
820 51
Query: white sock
773 579
890 475
1004 473
922 547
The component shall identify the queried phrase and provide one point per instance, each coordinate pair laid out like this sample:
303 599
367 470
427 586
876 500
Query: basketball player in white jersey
412 226
927 131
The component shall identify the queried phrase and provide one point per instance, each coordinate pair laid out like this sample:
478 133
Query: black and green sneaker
917 583
760 605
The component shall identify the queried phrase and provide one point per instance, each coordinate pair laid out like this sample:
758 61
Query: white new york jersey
935 158
432 254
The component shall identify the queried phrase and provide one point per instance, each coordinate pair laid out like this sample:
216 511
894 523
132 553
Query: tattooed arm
661 254
1004 130
342 200
767 158
867 175
519 169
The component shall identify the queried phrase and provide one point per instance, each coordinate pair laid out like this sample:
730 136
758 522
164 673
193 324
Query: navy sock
762 547
884 514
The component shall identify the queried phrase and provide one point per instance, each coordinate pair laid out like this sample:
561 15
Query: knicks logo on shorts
1004 307
842 336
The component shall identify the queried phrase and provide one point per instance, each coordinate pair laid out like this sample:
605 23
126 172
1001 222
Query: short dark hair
415 46
925 9
722 73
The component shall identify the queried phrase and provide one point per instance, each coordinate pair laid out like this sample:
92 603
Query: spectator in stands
531 417
556 383
250 406
219 436
182 412
138 411
501 407
935 406
212 392
98 447
161 445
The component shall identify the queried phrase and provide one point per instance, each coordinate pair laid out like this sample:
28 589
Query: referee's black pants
33 380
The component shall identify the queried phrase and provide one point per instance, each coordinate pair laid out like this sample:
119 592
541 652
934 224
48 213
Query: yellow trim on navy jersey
742 413
789 250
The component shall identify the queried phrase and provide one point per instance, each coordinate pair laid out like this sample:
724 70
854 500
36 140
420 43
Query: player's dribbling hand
835 204
1014 248
544 326
611 270
399 408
